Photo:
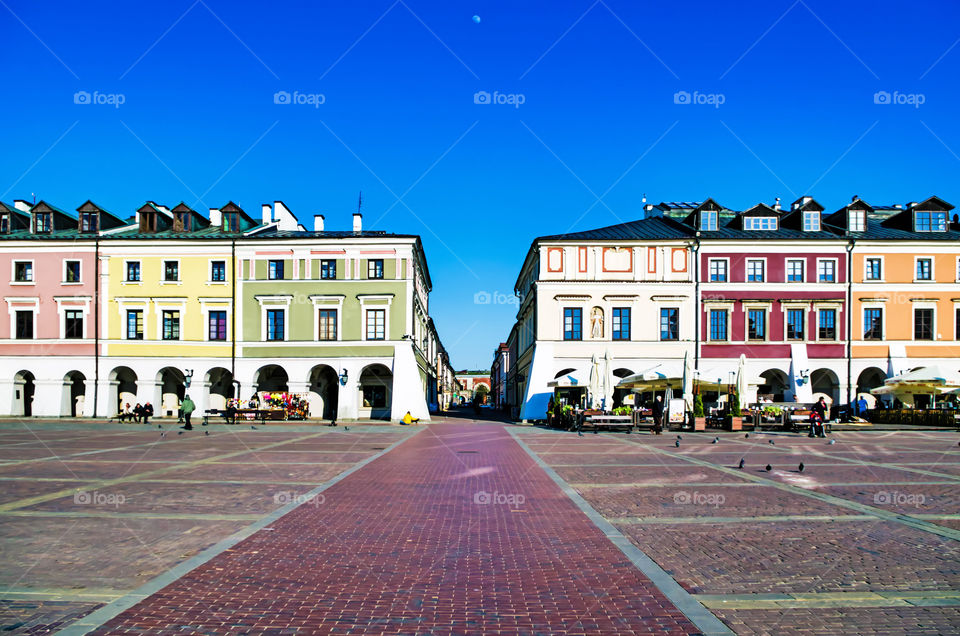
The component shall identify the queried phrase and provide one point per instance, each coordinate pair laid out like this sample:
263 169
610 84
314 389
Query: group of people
139 413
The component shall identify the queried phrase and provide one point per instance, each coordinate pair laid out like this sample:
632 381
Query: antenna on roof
359 202
34 195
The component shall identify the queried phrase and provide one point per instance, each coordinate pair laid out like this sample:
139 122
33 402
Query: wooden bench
257 415
602 419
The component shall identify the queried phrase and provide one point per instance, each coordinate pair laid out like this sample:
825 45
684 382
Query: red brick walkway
402 546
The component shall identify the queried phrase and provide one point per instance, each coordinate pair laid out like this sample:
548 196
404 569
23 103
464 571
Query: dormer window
148 222
708 220
43 222
930 221
760 223
181 222
231 222
4 223
811 220
88 222
857 221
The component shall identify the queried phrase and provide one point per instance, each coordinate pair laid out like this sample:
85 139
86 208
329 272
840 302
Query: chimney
22 205
776 206
318 223
898 206
357 222
854 198
216 218
912 204
266 213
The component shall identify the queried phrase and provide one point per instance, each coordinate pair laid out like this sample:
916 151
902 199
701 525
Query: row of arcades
353 391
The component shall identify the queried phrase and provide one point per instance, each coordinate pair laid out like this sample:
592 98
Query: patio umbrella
607 379
595 382
742 378
931 380
687 380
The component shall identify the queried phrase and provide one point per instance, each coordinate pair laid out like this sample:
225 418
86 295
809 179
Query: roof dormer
852 217
234 219
760 217
46 219
932 215
151 219
805 215
94 219
12 219
705 217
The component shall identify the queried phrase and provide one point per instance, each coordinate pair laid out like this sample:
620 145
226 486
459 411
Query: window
181 222
795 324
708 220
88 221
376 324
24 326
23 272
857 221
873 324
811 221
43 223
375 268
873 270
133 271
827 271
718 324
171 325
827 324
757 324
72 324
134 324
275 318
328 324
231 222
375 396
924 269
218 271
217 325
275 270
171 271
755 271
923 324
572 323
760 223
930 221
328 269
71 272
669 323
4 223
794 271
718 270
621 323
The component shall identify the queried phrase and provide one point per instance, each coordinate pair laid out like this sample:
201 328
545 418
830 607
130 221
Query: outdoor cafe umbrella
687 380
607 378
595 382
741 378
931 380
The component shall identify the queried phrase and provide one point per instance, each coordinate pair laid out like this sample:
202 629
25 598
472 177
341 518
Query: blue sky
599 124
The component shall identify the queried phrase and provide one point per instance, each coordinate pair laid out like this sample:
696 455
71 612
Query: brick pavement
407 545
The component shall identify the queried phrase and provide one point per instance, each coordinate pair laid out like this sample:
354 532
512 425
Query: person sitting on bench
230 414
409 419
126 413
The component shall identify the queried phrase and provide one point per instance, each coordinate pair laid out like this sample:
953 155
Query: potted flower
699 420
734 421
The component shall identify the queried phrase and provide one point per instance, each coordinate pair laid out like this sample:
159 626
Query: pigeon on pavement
741 464
769 468
800 467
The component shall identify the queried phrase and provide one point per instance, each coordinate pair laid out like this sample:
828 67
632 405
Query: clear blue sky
478 181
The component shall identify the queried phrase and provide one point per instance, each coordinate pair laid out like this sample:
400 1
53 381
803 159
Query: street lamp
344 376
187 377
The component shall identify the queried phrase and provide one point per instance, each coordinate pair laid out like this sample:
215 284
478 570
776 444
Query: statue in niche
596 323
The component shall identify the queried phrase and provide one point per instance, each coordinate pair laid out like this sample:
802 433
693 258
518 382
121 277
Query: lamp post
344 377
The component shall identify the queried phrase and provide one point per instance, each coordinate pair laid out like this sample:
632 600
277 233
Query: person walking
658 415
817 418
187 407
147 412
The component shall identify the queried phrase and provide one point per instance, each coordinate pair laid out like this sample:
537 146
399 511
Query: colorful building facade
817 303
106 312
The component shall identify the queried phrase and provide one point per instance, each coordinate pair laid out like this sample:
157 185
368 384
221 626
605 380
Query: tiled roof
652 228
